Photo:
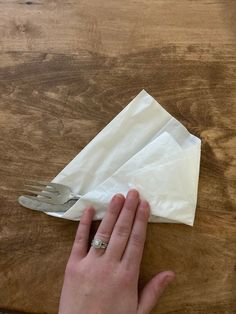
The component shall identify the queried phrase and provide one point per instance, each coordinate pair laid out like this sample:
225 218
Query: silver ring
99 244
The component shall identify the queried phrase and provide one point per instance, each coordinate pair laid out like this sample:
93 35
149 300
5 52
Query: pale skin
105 281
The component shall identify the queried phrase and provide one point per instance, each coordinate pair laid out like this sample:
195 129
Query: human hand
105 281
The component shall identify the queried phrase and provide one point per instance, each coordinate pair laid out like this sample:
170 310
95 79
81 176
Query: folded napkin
143 147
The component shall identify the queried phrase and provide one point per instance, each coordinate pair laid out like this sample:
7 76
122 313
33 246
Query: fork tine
39 182
31 191
49 189
32 197
52 185
41 199
43 182
57 186
34 186
43 193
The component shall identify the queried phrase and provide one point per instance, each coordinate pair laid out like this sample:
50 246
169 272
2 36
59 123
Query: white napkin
143 147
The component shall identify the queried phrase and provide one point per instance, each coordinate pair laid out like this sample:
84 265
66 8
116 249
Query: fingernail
168 279
88 210
144 206
133 193
145 203
118 196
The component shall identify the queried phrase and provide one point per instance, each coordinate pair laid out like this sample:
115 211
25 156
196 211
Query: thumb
153 290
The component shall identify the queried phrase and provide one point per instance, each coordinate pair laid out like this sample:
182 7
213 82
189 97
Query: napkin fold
143 147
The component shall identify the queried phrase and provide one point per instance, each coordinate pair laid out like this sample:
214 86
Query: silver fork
50 192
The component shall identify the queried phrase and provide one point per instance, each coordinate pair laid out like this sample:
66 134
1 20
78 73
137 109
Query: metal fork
50 192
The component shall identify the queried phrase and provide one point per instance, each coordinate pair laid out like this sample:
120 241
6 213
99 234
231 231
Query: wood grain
66 69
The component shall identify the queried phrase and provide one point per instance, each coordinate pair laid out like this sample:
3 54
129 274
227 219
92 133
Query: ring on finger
99 244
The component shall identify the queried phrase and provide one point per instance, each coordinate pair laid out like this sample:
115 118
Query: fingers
123 226
80 246
134 250
106 226
115 229
153 290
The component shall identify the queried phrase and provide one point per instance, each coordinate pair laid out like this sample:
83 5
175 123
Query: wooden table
66 69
